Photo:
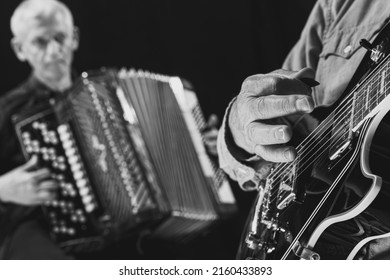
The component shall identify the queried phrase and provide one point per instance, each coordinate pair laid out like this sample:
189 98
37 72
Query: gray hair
37 10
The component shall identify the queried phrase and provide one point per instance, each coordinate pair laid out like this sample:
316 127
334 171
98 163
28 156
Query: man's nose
53 48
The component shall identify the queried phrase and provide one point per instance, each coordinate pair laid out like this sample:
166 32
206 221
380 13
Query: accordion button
61 166
35 125
73 160
61 159
70 152
87 199
81 183
66 144
75 167
83 191
26 135
89 208
78 175
27 141
62 128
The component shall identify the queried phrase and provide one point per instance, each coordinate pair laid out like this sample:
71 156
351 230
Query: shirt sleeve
250 171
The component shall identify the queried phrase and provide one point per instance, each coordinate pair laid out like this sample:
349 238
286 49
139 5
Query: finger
212 121
41 174
30 164
307 73
48 185
212 149
45 196
258 133
210 135
273 106
276 153
274 83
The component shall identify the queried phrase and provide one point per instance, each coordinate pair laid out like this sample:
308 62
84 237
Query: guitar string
318 207
304 167
301 150
333 118
325 125
325 129
370 79
313 213
310 218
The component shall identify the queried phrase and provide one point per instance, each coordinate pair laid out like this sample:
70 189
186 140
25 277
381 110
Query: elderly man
45 38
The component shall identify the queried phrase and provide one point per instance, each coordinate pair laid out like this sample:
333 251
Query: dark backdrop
214 44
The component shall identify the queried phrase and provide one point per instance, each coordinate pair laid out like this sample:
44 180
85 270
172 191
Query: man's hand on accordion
27 185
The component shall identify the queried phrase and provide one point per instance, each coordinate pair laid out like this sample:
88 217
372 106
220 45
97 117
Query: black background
214 44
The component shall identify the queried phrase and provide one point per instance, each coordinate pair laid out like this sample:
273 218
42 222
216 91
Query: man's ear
17 48
76 38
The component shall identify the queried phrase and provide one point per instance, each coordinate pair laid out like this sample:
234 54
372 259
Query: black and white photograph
235 132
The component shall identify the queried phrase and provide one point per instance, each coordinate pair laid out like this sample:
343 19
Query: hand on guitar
26 185
264 98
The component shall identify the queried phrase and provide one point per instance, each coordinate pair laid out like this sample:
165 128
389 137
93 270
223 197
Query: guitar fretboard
369 95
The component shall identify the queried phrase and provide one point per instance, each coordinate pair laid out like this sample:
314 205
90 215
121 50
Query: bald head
34 12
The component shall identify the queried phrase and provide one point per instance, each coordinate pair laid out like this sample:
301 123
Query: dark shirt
27 96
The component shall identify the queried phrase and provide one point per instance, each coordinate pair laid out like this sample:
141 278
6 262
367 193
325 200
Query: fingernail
288 154
280 134
303 105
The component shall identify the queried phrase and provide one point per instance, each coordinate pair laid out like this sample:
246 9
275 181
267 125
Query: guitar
342 169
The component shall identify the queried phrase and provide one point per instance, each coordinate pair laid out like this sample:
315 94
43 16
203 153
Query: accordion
127 151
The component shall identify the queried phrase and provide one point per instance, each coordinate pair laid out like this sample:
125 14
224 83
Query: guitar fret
370 94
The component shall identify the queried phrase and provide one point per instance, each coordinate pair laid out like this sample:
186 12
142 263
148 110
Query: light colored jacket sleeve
249 173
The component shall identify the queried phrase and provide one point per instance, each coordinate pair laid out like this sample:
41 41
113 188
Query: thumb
31 163
304 73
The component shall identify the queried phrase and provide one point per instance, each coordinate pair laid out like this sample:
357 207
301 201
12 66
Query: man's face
47 45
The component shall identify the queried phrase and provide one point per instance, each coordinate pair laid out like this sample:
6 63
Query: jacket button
347 49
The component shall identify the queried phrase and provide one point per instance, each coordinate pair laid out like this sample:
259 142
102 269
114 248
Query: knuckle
287 133
261 108
250 131
252 83
248 83
286 105
274 84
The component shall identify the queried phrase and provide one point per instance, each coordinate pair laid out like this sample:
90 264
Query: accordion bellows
127 150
